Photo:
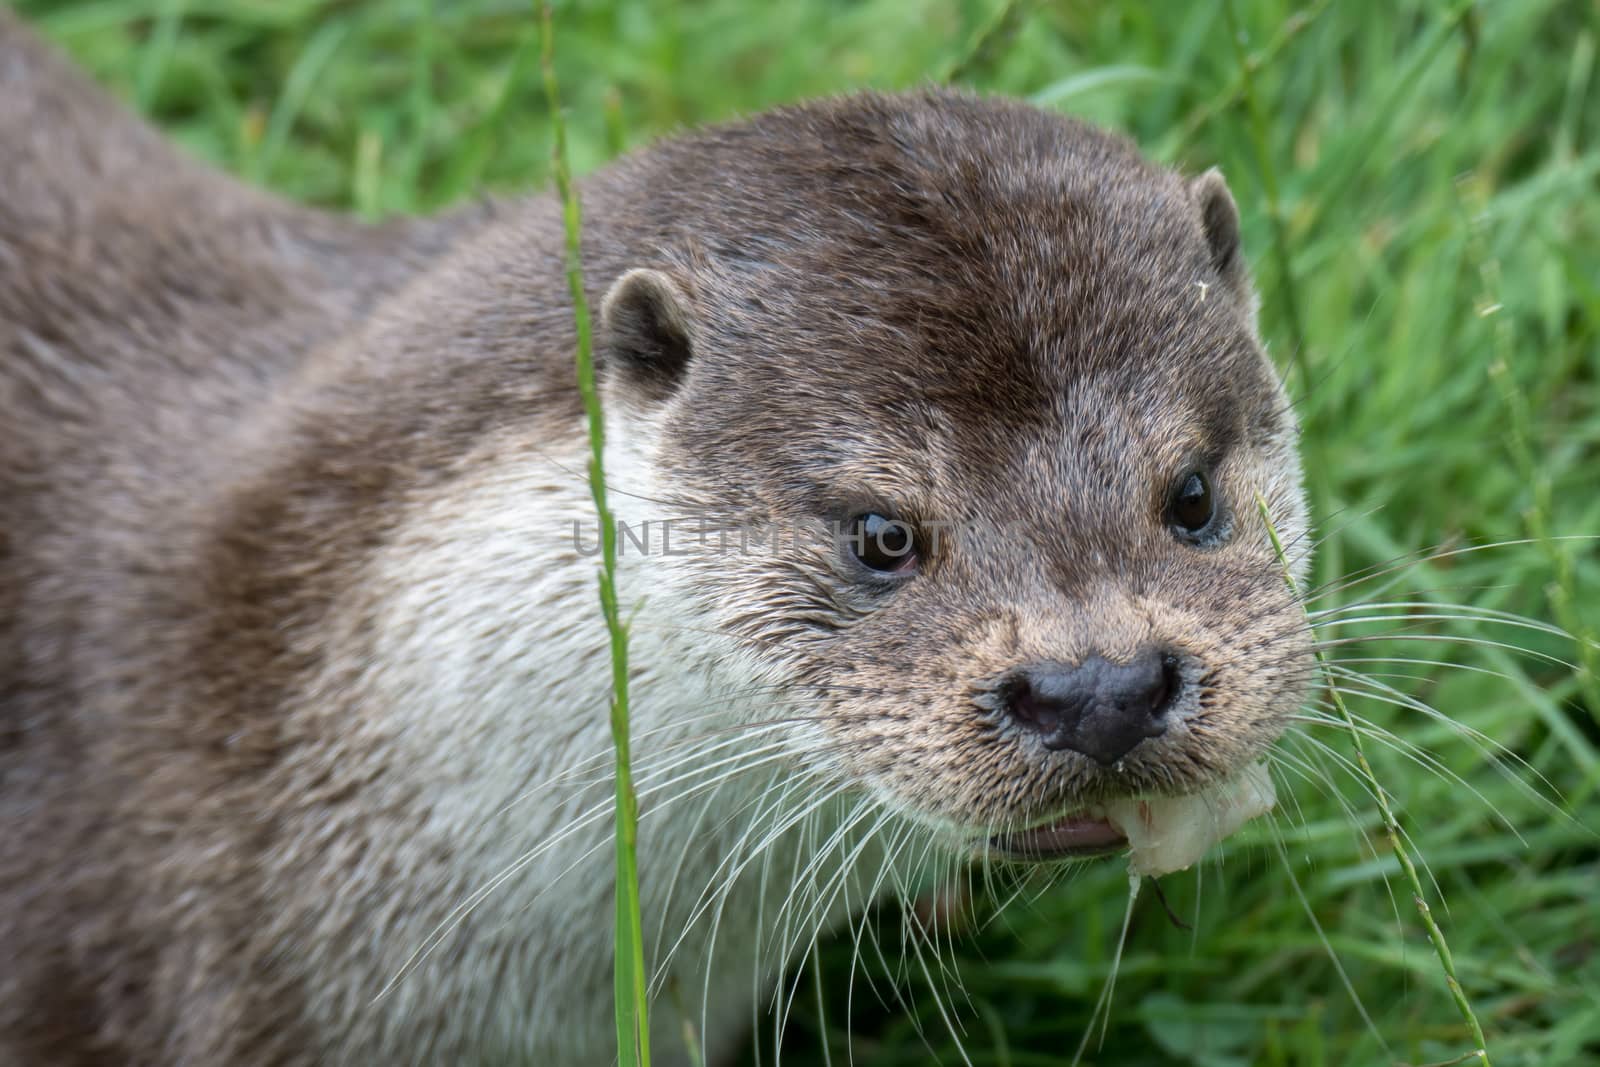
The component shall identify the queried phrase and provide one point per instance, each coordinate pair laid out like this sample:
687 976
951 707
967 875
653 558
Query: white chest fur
481 722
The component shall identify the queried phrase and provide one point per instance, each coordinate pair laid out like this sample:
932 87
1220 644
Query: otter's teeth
1168 834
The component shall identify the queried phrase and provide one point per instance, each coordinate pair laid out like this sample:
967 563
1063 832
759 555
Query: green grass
1420 186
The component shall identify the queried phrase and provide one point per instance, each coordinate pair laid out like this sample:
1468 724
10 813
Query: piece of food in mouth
1168 834
1160 834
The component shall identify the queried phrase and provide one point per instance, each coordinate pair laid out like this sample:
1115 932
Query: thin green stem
632 1009
989 42
157 54
1520 439
469 159
1264 56
1391 825
1315 454
421 106
1269 184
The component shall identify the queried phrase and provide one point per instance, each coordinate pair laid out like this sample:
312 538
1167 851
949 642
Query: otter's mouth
1080 835
1161 834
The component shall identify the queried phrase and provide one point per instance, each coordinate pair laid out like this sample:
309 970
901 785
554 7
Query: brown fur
221 412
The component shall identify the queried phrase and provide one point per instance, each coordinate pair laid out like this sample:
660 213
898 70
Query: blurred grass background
1420 186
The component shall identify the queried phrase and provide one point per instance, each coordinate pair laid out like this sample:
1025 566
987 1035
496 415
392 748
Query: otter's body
299 652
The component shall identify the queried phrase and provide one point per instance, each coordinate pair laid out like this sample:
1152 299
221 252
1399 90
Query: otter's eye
882 544
1193 507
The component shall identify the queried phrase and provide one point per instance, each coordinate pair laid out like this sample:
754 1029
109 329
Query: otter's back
128 270
149 307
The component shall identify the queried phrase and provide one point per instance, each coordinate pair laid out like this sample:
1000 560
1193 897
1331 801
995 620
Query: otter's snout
1098 708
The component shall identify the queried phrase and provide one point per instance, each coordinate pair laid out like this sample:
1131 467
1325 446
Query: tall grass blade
632 1010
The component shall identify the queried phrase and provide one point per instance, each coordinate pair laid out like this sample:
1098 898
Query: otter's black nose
1098 708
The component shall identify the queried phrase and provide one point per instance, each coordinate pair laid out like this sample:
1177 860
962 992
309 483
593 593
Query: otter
303 683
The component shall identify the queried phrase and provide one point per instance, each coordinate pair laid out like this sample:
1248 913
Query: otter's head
978 392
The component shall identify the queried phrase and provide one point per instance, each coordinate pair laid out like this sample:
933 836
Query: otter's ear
1219 218
646 331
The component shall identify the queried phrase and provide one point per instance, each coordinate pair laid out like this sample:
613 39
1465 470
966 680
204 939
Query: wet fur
291 615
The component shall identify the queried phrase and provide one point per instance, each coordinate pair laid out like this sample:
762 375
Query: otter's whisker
1487 748
1406 610
938 1003
1350 662
691 839
1413 618
1424 556
1504 761
1276 761
1357 775
717 901
594 815
1322 936
736 860
1103 1004
1312 768
907 890
902 834
740 731
803 883
1412 753
1480 642
898 974
827 895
